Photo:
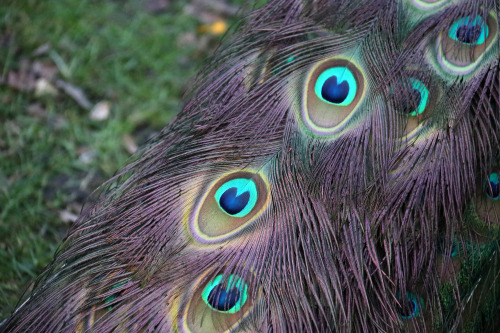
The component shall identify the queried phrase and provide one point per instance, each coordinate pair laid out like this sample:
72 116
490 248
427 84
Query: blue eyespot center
469 31
335 92
223 300
232 203
237 197
337 86
227 295
493 186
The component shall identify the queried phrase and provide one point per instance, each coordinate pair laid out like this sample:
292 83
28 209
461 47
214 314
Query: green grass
52 154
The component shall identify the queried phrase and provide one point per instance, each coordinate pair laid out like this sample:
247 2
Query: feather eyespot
220 303
333 92
410 306
414 101
418 98
464 44
493 186
229 205
483 214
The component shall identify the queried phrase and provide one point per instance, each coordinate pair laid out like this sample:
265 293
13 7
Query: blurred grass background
82 84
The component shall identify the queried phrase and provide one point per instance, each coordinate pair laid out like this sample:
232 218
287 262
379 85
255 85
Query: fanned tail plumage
336 168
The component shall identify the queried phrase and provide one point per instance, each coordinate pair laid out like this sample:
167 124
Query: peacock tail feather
335 169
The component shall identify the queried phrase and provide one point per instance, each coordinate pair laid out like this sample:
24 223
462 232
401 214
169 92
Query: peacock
335 169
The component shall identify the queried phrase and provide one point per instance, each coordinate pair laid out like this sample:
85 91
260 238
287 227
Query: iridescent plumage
334 169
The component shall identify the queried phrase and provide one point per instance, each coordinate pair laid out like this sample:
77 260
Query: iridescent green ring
424 96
